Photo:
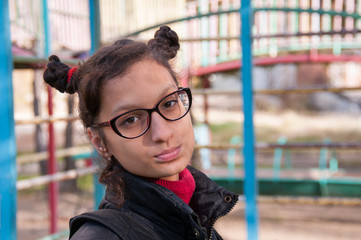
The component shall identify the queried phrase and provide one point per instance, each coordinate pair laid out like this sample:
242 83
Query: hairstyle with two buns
89 78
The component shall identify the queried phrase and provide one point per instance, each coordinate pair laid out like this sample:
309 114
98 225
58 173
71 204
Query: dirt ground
277 221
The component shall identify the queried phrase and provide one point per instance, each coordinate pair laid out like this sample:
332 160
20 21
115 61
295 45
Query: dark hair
107 63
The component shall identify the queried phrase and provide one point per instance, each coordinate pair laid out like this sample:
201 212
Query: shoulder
115 223
93 231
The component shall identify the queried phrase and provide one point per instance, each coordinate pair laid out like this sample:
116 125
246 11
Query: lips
169 154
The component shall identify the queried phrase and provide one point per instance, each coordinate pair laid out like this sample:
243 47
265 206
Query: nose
159 128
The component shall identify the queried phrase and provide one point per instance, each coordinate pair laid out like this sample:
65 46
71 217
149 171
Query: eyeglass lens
135 123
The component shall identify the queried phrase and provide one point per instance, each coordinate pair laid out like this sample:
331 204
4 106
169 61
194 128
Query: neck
183 187
171 178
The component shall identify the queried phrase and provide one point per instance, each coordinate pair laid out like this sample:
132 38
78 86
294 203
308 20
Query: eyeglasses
135 123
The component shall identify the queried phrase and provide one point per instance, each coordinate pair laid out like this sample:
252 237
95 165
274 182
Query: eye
130 120
169 104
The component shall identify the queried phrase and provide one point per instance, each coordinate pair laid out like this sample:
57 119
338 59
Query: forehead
145 83
142 75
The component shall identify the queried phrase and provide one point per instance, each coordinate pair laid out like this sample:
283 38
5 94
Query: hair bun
56 75
165 41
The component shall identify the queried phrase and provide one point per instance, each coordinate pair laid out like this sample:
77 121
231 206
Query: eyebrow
132 106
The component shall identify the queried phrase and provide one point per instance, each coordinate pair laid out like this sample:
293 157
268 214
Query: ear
97 141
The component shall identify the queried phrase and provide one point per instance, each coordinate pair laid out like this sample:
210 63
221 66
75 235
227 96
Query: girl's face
166 148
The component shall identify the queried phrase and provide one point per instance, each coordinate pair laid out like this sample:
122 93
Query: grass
222 133
295 127
85 183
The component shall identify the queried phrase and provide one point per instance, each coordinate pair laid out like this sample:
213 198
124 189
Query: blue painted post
8 176
99 189
94 17
231 158
47 37
277 159
323 169
250 183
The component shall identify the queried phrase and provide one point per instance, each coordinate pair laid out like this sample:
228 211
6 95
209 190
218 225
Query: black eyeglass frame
111 122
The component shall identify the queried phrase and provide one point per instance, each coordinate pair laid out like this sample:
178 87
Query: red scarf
183 188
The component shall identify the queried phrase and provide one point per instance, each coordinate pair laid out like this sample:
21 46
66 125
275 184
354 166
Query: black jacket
151 211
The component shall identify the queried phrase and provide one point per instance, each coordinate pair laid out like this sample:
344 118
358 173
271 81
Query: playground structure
297 32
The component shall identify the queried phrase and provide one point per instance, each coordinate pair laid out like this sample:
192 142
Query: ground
296 222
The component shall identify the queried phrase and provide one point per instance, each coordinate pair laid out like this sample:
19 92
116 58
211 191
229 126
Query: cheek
188 132
120 147
130 154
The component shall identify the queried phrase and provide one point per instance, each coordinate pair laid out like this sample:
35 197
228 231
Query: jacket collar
210 201
154 201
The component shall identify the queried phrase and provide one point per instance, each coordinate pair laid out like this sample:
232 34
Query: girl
137 118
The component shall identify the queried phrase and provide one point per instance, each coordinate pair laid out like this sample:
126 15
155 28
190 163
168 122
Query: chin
173 170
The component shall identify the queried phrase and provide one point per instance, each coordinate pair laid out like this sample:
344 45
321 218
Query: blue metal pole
250 183
8 176
47 36
94 17
99 189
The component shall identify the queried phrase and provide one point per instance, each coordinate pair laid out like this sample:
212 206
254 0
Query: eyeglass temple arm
100 125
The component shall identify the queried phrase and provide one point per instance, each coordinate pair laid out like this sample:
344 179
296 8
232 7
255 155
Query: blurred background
306 108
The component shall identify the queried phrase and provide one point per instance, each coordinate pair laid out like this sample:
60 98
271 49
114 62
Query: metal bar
50 119
339 187
259 36
60 153
310 10
306 90
52 168
334 201
51 178
334 145
250 183
277 159
46 29
99 189
205 109
39 61
209 39
275 91
95 34
265 61
69 14
300 34
8 176
266 146
56 236
203 7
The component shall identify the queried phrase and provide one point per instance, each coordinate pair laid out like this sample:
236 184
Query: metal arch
297 10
